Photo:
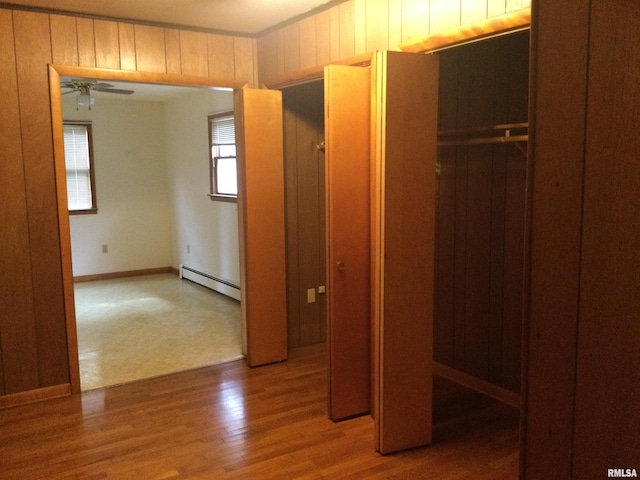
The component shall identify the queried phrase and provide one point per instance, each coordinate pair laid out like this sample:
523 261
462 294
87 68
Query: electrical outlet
311 295
105 248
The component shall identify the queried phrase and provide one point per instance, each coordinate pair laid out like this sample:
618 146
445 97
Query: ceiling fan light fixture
85 100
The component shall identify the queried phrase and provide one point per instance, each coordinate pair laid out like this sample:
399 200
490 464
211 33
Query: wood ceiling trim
491 27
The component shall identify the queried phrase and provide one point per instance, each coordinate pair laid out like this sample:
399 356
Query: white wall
133 216
152 180
205 232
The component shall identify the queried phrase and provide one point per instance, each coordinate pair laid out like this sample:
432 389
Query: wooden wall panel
481 213
347 41
44 243
193 53
376 21
86 42
607 410
395 24
172 50
415 18
323 38
245 60
307 42
304 130
220 49
126 34
17 340
151 55
358 27
559 62
64 40
107 44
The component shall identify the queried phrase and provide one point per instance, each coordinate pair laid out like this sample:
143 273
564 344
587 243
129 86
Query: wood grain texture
404 254
608 355
49 326
348 238
151 55
304 170
221 52
64 40
17 342
559 70
245 61
127 41
172 49
107 44
231 422
262 232
481 219
193 53
86 42
448 31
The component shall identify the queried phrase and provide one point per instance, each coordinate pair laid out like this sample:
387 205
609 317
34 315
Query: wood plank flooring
230 422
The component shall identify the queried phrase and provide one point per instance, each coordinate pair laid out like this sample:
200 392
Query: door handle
340 266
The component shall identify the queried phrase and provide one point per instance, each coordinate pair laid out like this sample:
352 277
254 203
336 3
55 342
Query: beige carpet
141 327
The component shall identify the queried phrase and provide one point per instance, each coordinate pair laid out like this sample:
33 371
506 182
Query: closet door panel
347 123
406 109
261 217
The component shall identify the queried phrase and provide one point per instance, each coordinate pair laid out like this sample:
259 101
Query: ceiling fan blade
114 90
101 86
71 91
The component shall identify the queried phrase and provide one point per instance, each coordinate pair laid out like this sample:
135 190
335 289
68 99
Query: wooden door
261 221
403 210
347 126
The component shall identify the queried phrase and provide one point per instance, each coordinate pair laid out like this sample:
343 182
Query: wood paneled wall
305 212
33 343
582 412
481 213
358 27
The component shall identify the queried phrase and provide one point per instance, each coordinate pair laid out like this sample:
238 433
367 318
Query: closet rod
478 130
483 140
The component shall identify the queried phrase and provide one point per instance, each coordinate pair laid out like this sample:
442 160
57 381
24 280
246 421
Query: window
79 164
222 135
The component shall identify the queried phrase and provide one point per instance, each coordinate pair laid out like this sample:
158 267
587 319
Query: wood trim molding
129 273
491 27
33 396
501 394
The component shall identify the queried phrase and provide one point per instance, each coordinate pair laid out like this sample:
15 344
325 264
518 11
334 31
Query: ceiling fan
84 87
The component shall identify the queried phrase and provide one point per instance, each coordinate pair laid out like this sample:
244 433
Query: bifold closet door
259 133
347 165
405 89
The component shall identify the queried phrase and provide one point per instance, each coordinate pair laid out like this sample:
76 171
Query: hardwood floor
231 422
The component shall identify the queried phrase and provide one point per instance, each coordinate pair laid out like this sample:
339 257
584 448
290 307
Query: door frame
55 72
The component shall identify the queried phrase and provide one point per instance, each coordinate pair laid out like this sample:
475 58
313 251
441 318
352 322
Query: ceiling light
84 99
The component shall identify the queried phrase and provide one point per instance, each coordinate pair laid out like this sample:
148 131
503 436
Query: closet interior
480 214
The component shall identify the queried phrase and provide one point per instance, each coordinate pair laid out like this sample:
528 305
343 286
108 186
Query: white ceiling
144 91
241 16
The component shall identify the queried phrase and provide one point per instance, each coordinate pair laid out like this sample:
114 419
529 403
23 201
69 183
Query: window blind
78 166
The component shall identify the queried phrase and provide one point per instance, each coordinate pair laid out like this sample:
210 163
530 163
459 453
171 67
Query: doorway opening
146 221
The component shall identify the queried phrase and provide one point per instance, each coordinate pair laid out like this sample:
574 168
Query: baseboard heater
218 284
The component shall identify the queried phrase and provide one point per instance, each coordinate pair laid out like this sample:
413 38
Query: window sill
90 211
223 198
